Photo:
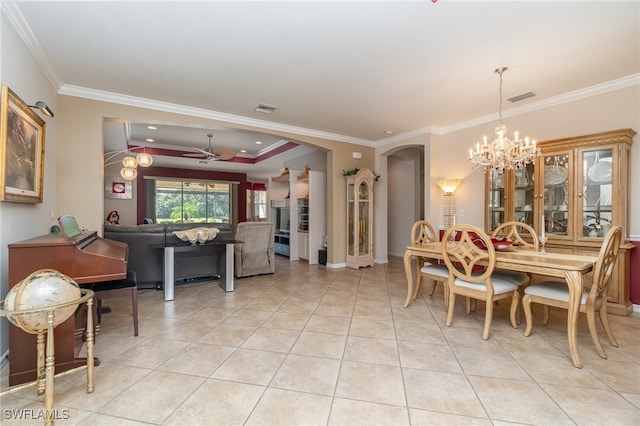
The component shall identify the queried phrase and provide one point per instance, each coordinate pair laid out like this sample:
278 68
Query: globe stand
46 349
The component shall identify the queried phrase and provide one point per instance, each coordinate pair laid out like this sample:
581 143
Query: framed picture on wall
21 150
116 187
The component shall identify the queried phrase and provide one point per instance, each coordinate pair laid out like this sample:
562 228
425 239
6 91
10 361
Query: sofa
146 254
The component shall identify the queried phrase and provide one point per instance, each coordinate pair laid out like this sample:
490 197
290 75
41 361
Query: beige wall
446 153
80 173
619 109
20 221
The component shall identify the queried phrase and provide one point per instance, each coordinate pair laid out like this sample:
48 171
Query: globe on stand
43 288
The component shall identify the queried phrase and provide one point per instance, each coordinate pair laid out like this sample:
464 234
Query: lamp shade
128 173
449 186
129 162
144 159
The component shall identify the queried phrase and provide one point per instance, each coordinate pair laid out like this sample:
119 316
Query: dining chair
524 236
593 299
422 232
472 248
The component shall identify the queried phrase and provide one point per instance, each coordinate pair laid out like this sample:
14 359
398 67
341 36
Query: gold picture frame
22 134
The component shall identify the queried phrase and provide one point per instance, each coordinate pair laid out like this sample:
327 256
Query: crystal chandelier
503 153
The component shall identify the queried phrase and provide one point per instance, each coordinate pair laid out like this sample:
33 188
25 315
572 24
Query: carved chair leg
591 322
488 316
545 314
433 287
452 305
604 319
526 306
514 309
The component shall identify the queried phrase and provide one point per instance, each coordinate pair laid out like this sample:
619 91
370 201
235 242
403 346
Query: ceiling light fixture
43 107
129 173
503 153
129 163
144 159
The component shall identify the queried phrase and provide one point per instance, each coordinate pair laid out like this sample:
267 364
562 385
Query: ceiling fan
212 153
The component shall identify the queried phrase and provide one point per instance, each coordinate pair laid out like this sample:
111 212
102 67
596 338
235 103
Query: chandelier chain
500 71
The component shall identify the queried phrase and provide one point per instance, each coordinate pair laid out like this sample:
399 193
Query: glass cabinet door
350 219
554 198
597 192
497 199
363 216
523 199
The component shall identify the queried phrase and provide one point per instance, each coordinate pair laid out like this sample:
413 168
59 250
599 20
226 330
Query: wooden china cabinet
577 189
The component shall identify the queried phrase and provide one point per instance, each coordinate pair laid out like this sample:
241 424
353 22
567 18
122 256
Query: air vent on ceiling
266 109
521 97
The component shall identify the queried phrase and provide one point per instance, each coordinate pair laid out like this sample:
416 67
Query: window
192 201
256 201
260 202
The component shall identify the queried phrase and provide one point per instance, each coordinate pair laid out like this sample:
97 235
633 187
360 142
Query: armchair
256 254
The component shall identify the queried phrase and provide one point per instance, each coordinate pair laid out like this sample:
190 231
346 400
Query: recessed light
388 132
150 140
243 150
258 143
152 128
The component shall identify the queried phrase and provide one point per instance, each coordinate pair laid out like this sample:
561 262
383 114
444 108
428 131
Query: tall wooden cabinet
360 219
577 189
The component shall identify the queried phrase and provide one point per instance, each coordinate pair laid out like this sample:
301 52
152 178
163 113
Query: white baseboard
635 308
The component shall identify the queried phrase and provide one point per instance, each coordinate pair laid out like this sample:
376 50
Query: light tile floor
310 345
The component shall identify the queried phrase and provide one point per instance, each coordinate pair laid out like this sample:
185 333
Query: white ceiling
350 70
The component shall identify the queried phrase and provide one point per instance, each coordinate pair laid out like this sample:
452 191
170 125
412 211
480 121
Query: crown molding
99 95
17 21
621 83
610 86
598 89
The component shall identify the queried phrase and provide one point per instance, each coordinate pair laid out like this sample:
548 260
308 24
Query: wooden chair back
603 271
471 248
422 232
515 231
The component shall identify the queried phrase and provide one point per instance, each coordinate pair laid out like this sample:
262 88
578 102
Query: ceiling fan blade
203 151
212 154
200 154
194 155
224 153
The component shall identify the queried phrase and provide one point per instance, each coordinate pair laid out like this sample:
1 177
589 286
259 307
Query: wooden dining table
569 267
